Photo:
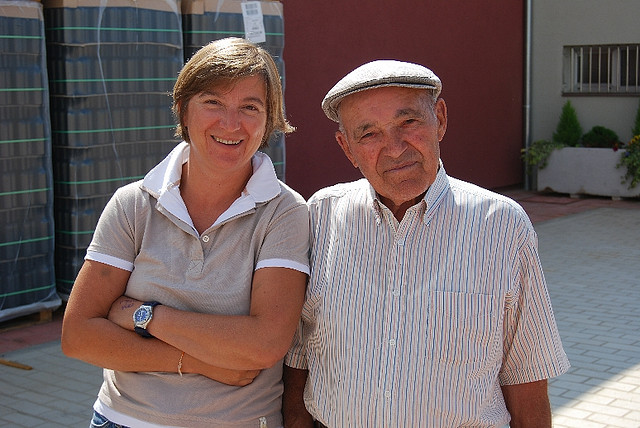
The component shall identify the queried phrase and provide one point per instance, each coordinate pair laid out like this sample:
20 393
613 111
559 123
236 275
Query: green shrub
537 155
568 131
599 136
631 156
631 161
636 128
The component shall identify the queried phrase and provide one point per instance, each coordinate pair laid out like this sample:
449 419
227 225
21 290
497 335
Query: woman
193 284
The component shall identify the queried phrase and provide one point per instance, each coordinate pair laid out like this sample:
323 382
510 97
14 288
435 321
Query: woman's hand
255 341
121 312
226 376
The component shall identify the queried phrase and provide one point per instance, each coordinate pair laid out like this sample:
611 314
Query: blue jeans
99 421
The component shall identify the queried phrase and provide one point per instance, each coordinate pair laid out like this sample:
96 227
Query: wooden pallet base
42 317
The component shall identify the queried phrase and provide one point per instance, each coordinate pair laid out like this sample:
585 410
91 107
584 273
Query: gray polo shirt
146 229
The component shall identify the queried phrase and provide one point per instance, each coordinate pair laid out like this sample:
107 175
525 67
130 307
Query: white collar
163 182
432 198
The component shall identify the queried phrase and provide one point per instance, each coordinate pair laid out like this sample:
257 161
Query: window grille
602 69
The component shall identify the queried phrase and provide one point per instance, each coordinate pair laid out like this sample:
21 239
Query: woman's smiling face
226 124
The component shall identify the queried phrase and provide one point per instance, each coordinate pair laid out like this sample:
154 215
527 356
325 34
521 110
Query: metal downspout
527 88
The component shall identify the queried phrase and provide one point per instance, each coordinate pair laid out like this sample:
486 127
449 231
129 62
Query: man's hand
528 404
293 409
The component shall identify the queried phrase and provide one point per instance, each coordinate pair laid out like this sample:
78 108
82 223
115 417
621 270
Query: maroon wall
476 47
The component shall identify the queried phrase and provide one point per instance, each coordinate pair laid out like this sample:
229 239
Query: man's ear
441 114
344 144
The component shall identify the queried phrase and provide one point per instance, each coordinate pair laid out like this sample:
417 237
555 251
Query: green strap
30 290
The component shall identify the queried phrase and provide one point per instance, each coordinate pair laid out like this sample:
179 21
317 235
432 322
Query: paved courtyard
592 265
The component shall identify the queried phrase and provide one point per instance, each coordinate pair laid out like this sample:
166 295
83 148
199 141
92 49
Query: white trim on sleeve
109 260
283 263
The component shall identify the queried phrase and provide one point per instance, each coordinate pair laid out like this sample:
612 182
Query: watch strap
142 331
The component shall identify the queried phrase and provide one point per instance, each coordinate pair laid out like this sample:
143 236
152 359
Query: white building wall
558 23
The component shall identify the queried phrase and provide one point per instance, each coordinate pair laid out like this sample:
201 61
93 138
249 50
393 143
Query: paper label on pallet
253 22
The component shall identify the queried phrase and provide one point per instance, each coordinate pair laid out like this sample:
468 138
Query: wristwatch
141 318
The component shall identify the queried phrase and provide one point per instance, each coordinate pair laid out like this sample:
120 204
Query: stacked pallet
260 22
112 67
26 191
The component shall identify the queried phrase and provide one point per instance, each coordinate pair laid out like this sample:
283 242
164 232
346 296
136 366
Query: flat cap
377 74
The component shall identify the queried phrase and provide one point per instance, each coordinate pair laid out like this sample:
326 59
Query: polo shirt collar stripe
163 181
263 184
167 173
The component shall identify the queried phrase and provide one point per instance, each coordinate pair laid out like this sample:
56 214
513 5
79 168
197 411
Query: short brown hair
223 62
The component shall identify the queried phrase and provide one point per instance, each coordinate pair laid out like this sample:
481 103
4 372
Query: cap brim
331 103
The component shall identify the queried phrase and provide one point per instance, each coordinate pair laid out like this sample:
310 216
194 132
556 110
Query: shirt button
396 293
205 238
392 342
400 243
387 394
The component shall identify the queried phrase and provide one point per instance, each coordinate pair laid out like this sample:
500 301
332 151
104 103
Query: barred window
602 69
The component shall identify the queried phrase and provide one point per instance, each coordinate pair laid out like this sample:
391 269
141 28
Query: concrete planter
588 171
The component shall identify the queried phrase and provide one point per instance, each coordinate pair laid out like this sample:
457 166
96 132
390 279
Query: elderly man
427 305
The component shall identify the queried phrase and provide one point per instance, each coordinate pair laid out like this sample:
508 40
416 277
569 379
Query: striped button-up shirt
419 322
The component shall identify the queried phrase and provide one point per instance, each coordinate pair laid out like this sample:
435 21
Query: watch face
142 314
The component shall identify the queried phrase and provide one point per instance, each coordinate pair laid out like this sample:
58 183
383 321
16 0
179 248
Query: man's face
392 134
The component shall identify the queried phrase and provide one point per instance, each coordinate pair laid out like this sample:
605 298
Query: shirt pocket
463 328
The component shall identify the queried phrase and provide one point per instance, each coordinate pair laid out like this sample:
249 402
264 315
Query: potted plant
568 131
630 158
567 134
577 163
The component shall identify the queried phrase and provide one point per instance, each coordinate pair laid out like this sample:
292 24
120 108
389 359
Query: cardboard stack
207 20
112 66
26 190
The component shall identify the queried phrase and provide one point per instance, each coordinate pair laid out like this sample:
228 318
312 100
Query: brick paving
591 264
57 391
590 250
